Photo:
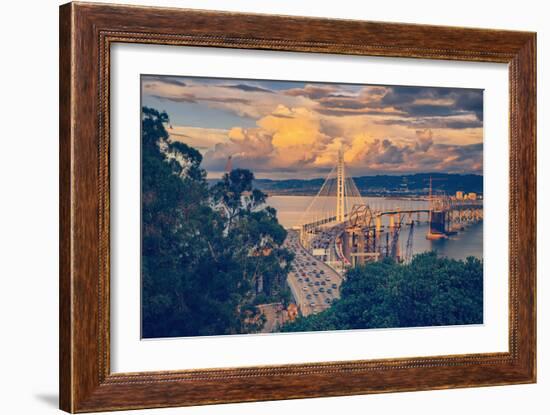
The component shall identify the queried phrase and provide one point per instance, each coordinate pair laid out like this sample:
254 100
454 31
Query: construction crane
409 246
395 239
431 192
229 164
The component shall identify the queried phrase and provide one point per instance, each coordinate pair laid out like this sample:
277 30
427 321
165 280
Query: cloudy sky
281 129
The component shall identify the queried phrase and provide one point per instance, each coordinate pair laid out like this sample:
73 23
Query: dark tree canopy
208 254
430 291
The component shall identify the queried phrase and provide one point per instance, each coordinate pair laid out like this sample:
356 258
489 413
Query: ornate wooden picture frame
87 32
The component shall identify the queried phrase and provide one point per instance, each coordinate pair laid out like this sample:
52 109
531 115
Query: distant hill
380 185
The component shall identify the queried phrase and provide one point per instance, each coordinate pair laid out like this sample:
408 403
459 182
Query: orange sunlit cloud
296 129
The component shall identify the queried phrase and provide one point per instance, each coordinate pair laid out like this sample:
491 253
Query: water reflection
291 209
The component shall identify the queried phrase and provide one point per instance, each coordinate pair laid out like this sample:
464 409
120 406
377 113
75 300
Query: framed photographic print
261 207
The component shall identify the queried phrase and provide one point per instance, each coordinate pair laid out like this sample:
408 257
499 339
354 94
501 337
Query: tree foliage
430 291
207 253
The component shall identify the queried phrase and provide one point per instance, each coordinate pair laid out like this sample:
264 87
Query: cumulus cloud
287 139
423 155
249 148
300 127
294 140
425 140
312 91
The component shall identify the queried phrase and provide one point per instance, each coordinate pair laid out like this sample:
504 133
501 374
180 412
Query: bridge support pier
437 225
360 246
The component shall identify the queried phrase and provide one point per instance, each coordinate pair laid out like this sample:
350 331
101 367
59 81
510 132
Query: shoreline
421 198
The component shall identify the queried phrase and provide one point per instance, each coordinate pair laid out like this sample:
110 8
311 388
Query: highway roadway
314 284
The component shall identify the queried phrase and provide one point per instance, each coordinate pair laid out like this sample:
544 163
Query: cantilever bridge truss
341 228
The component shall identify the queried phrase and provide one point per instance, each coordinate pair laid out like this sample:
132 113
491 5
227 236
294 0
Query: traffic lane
305 269
305 291
329 276
298 294
327 272
304 302
321 284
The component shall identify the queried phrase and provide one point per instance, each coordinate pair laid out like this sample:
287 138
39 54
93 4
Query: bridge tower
341 188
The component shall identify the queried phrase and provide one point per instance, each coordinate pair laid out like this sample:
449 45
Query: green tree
430 291
206 252
254 232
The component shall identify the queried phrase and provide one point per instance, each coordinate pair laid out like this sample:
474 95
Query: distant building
459 195
471 196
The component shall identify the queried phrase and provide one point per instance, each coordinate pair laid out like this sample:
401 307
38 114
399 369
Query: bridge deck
305 268
332 219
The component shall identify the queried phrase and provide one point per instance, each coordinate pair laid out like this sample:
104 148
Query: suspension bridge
341 229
